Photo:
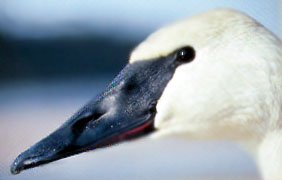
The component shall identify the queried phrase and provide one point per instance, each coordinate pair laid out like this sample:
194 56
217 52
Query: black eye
186 54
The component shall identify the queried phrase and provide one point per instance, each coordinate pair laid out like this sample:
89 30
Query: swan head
232 87
214 75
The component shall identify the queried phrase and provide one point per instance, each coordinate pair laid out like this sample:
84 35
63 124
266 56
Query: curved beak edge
49 149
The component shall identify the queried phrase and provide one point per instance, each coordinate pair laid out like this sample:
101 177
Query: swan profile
215 75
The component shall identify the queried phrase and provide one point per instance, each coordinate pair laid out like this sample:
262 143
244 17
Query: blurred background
56 55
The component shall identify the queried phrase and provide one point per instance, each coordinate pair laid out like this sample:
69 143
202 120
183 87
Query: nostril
82 123
98 115
94 121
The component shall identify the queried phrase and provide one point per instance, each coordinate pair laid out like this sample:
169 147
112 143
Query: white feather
232 89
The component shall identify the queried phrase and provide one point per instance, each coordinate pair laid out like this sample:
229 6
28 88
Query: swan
215 75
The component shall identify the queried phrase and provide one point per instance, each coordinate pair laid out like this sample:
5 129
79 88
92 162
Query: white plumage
233 88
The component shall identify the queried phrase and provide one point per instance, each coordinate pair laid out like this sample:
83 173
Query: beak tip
16 168
15 172
19 164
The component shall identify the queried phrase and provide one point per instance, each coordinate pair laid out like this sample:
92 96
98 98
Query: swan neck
269 156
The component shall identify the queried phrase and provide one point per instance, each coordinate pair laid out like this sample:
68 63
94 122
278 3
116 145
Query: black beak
125 110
